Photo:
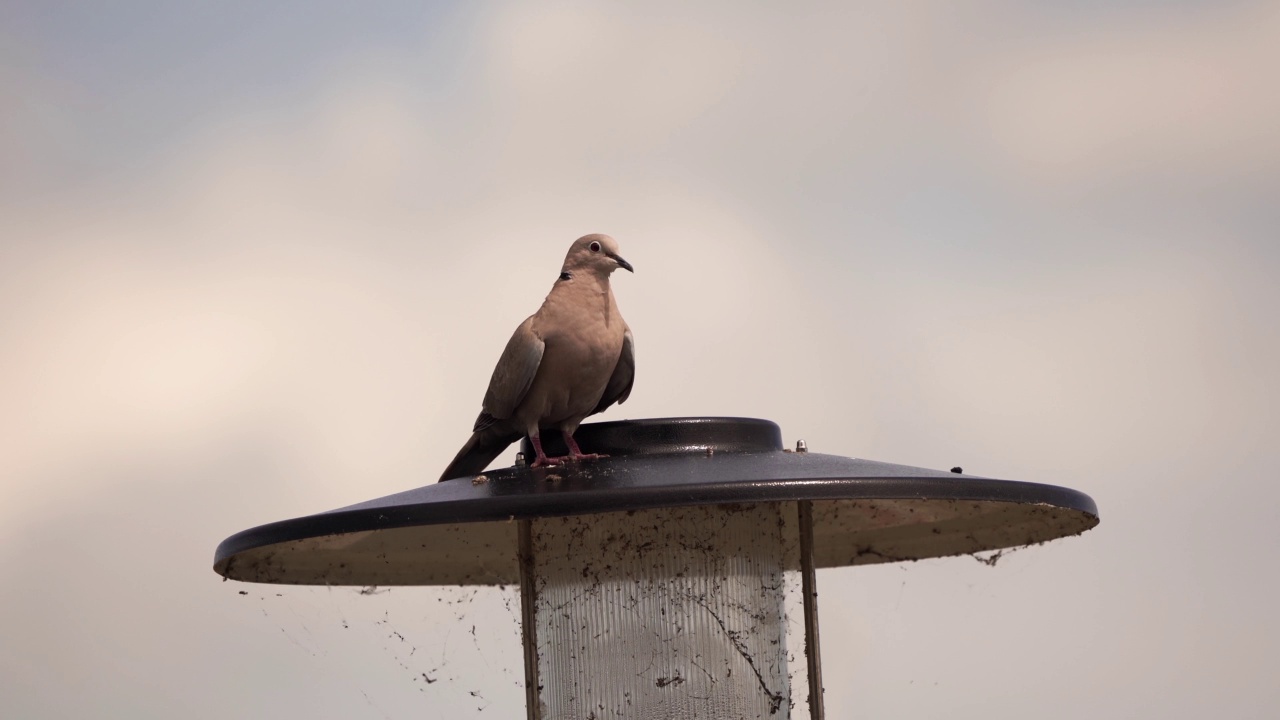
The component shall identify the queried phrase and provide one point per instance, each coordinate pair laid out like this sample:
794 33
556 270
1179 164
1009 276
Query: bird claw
565 459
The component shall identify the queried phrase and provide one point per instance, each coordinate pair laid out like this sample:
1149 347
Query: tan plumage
573 358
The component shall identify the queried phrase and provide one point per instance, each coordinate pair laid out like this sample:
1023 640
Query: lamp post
674 578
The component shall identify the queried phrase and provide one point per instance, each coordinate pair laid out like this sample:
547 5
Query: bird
572 358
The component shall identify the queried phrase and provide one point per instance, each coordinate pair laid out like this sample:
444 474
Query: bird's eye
595 247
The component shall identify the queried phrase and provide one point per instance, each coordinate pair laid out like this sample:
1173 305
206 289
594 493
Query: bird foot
575 453
546 461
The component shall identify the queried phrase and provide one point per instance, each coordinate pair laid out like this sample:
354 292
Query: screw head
520 461
801 446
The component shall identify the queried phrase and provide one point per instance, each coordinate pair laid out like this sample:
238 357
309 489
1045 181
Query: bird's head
597 254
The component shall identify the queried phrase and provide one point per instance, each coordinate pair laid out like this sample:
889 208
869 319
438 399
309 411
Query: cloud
1176 97
869 224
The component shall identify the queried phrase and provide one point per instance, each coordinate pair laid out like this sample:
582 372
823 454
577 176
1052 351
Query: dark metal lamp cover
462 531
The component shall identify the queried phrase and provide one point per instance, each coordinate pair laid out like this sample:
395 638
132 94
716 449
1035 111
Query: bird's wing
513 375
624 375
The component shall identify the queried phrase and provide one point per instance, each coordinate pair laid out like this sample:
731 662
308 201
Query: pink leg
542 460
575 452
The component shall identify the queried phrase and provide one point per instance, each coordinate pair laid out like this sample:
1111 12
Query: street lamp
674 578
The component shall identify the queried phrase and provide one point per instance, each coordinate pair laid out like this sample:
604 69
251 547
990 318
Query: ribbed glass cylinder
667 613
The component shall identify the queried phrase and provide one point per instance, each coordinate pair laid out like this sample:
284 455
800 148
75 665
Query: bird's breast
576 366
582 336
584 353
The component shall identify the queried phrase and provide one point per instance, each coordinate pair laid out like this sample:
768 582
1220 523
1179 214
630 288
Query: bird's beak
621 263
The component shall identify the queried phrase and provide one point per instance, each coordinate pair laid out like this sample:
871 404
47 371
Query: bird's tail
480 450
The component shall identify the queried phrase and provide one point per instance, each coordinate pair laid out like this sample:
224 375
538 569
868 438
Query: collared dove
573 358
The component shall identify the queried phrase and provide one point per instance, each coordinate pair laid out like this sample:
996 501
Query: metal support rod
809 589
528 622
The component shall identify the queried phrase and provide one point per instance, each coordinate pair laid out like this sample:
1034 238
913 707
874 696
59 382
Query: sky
258 262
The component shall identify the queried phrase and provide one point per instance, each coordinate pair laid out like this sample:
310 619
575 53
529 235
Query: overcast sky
257 261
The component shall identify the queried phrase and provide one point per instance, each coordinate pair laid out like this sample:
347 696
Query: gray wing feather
624 376
514 373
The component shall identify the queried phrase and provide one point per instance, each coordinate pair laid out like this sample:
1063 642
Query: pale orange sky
259 263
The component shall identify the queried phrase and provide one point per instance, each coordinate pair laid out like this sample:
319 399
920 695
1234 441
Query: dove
573 358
